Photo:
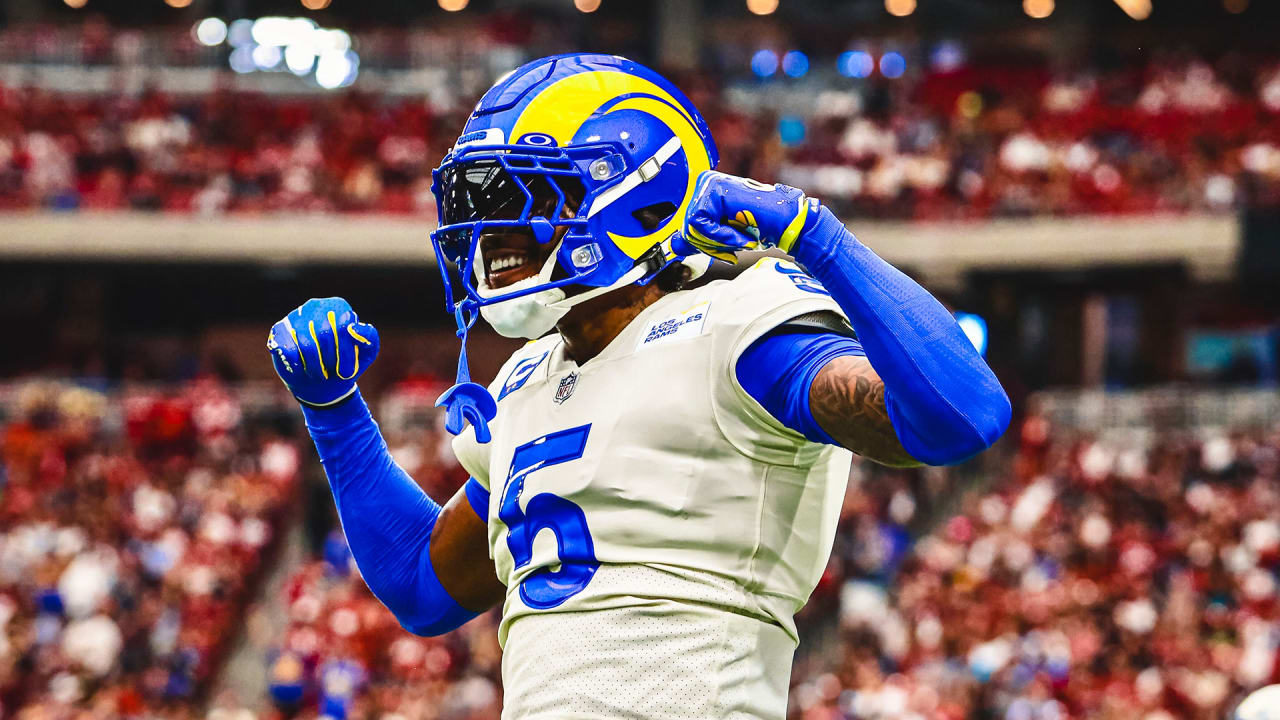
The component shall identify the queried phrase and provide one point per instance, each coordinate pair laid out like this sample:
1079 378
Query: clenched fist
729 213
320 350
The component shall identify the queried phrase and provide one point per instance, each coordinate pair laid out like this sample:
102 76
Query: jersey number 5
546 588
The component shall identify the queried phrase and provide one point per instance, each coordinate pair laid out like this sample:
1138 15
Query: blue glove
729 213
320 349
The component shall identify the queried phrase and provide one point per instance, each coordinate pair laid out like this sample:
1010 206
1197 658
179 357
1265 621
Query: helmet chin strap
631 276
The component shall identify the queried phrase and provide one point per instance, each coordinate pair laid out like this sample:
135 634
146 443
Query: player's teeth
504 263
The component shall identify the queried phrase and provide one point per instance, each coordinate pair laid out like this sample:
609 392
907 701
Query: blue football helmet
594 153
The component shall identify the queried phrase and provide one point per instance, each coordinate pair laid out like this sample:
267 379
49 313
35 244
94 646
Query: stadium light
335 70
587 6
1136 9
282 31
299 58
452 5
315 4
892 65
295 44
795 63
764 63
266 57
177 3
240 32
1037 9
77 4
762 7
975 328
331 40
900 8
855 64
241 60
211 31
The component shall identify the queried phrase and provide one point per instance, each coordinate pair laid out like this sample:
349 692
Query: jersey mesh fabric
679 660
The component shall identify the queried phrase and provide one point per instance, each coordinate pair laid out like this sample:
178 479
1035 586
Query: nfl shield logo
567 383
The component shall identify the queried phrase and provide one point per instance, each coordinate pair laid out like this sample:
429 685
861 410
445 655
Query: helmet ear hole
652 217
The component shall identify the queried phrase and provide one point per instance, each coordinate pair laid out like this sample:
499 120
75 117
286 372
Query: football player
657 475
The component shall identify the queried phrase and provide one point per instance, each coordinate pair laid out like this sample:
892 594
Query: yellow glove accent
788 239
312 327
706 245
293 334
351 330
337 358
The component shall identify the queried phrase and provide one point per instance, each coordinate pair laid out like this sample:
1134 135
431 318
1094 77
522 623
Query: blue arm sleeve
387 518
478 498
944 402
778 370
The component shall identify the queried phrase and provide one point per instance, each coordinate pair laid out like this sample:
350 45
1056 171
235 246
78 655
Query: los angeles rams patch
686 324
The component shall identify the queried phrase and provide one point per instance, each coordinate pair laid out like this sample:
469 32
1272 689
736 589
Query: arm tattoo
847 400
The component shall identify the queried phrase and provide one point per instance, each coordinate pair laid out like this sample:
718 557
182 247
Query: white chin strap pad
631 276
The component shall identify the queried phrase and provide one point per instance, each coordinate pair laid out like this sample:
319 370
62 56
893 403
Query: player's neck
588 328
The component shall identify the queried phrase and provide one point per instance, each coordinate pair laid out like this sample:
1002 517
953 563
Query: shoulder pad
820 321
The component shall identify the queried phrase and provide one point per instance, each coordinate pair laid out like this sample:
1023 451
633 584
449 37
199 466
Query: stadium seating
343 654
971 143
1101 190
1090 579
132 529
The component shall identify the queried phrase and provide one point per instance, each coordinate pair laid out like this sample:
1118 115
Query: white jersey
655 527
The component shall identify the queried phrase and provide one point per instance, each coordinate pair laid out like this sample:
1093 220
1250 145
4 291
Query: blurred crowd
342 654
1102 578
132 529
1176 135
226 152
